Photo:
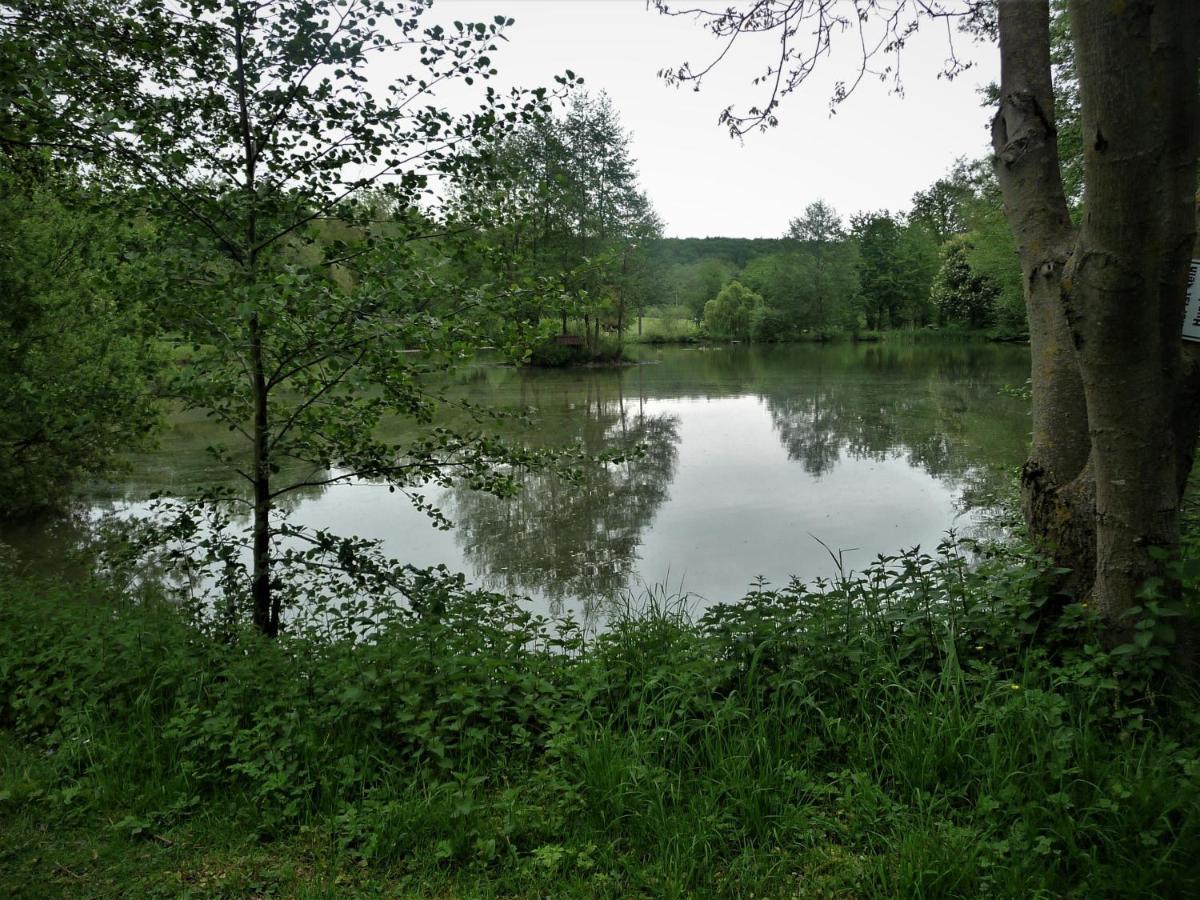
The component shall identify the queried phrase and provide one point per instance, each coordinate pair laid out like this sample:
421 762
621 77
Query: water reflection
937 406
578 539
870 414
747 451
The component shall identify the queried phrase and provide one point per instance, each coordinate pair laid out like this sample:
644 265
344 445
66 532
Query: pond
756 459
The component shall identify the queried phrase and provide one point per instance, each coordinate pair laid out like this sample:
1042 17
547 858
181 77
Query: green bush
897 733
551 355
961 295
672 326
732 314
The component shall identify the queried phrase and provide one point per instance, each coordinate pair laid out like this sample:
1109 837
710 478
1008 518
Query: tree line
949 261
211 207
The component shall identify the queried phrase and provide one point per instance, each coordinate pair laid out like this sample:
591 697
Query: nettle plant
304 261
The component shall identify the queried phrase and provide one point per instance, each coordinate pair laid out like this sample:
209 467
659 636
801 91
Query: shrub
916 729
732 313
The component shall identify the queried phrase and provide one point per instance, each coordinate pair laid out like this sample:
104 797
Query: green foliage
736 312
672 325
289 196
811 287
1067 112
562 200
993 252
733 253
896 268
819 225
77 359
693 284
940 207
961 295
918 729
551 354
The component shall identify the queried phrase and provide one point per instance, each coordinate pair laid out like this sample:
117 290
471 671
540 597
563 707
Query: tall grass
915 730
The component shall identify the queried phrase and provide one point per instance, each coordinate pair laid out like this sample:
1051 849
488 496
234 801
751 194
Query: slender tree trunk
265 605
266 614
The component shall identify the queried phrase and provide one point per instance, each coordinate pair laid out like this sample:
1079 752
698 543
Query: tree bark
1126 288
265 606
266 612
1115 408
1056 491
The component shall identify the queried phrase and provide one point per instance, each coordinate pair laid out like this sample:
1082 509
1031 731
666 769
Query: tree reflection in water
576 539
942 421
935 408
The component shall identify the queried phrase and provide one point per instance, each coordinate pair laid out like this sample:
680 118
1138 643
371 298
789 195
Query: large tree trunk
1114 411
1056 492
1127 284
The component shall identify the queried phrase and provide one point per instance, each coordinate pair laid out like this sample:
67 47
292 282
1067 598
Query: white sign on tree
1191 318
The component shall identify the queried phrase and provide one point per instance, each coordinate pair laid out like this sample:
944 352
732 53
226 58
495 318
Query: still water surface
752 454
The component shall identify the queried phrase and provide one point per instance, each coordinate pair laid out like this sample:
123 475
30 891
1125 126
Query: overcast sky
873 154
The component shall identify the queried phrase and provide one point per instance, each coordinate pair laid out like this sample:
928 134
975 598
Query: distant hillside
736 251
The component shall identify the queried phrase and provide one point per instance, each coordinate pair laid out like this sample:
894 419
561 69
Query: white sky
873 154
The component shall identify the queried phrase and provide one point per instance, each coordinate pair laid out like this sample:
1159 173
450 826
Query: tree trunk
266 612
1114 410
1055 490
1125 290
266 606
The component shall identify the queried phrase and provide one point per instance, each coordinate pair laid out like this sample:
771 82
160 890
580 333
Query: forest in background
205 209
574 211
948 261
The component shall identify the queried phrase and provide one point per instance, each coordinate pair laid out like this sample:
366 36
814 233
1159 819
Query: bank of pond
918 730
737 461
607 702
575 349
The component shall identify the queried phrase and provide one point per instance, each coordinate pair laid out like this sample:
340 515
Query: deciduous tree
1115 389
79 358
292 192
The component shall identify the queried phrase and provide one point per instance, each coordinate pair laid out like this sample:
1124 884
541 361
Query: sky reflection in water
751 456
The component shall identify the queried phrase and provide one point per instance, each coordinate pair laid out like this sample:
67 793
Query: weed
913 730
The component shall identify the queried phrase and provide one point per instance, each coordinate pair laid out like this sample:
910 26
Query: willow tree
1115 388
